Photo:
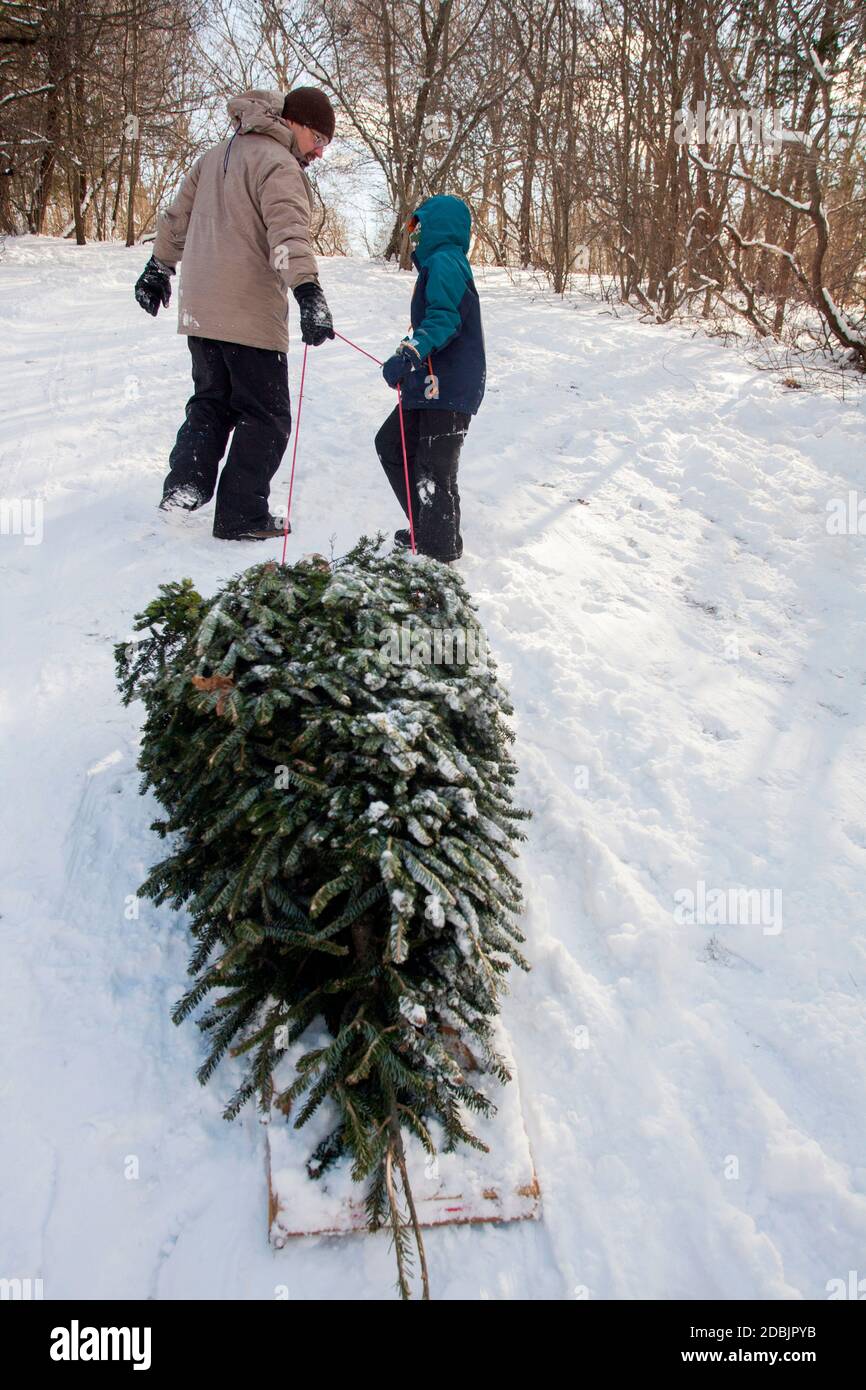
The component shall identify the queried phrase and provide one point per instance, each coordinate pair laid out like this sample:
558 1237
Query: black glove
404 360
316 321
153 286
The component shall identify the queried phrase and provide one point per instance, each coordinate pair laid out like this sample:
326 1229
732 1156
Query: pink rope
378 362
295 453
359 349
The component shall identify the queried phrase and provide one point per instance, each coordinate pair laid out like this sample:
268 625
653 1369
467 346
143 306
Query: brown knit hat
310 107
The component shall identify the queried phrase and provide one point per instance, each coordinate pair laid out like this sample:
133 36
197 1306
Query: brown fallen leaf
456 1048
212 682
221 683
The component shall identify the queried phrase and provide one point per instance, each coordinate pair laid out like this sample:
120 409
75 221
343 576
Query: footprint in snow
716 953
719 732
709 608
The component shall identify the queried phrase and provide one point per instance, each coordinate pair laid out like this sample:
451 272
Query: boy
440 367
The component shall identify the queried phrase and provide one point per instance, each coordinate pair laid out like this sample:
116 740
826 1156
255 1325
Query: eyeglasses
321 141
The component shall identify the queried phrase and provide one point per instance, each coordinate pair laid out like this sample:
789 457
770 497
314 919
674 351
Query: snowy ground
645 523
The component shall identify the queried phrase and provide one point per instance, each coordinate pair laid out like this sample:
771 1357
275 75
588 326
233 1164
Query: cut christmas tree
331 748
454 1188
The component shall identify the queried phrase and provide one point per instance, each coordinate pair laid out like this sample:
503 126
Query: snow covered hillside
685 643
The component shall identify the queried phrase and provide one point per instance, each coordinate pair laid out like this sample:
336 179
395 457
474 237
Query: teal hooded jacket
445 313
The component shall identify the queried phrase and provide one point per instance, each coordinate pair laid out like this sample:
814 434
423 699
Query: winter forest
478 914
573 130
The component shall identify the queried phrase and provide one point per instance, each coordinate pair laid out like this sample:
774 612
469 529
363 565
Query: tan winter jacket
241 222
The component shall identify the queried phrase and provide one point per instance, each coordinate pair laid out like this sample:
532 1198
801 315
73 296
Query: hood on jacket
444 221
259 112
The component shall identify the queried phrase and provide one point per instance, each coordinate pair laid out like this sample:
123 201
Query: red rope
295 453
402 441
359 349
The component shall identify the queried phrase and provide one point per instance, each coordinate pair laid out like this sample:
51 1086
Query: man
241 222
441 369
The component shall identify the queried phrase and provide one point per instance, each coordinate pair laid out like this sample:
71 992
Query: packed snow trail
645 530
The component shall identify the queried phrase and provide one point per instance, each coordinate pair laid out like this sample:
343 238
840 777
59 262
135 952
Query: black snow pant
434 439
240 388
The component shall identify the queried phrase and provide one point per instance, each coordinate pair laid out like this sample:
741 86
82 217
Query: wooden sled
464 1187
